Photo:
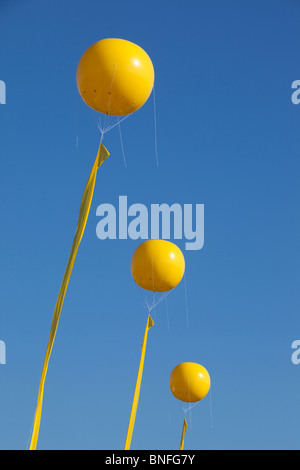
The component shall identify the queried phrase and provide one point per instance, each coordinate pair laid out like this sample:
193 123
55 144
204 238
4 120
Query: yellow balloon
115 77
189 382
157 265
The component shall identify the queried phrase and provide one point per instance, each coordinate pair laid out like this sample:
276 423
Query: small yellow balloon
115 77
157 265
189 382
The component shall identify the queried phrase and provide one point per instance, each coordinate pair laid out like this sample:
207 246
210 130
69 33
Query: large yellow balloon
157 265
189 382
115 77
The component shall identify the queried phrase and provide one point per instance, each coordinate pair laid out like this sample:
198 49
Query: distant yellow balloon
157 265
115 77
189 382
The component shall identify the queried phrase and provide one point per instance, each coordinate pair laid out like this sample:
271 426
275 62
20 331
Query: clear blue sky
228 137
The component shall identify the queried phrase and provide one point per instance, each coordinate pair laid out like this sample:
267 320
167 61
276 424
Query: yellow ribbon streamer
82 220
183 434
150 323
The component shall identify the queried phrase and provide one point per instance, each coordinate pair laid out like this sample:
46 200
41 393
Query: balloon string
188 408
105 128
121 141
117 123
154 304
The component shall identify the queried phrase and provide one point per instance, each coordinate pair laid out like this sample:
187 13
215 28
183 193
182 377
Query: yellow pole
150 323
183 433
82 220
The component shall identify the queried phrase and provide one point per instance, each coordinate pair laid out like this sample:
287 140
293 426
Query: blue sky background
228 137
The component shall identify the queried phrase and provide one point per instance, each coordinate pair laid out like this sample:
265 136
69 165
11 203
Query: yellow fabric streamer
150 323
183 433
82 220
